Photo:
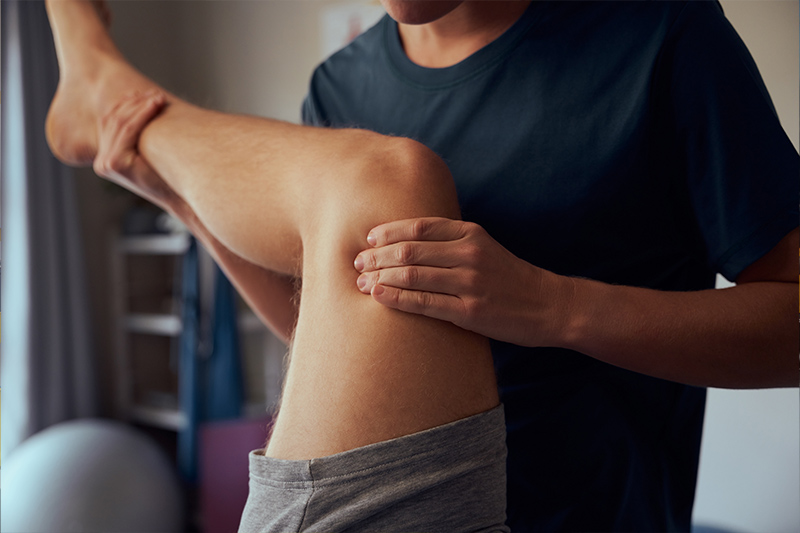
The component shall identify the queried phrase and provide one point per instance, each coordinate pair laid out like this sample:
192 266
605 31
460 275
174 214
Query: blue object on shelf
224 393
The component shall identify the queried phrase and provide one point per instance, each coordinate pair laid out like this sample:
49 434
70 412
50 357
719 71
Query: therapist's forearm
742 337
270 295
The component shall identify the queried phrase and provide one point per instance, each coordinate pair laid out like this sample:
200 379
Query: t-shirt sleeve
309 112
742 170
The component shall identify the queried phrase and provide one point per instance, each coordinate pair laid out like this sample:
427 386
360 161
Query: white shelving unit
153 324
169 244
263 353
160 417
163 412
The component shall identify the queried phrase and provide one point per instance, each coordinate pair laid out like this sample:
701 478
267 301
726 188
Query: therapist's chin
419 11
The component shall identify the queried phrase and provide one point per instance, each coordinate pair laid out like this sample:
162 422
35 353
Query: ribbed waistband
479 438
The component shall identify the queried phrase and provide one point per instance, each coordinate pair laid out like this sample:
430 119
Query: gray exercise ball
90 476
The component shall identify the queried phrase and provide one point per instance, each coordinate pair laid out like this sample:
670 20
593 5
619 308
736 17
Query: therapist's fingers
119 132
443 254
435 305
416 229
417 278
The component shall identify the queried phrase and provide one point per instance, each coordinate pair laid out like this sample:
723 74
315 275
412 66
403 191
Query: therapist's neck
460 33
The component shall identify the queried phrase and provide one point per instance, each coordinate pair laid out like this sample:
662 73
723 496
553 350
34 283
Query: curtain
47 366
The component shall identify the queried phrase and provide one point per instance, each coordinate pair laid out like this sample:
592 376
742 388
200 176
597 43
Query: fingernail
359 263
371 239
361 282
377 290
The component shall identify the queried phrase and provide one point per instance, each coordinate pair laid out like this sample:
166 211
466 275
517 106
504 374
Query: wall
256 57
235 56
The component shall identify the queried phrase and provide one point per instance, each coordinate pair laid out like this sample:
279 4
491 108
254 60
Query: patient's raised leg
92 77
300 200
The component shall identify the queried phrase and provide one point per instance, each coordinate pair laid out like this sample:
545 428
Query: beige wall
252 57
770 30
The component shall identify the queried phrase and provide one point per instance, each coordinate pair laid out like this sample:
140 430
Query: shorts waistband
479 438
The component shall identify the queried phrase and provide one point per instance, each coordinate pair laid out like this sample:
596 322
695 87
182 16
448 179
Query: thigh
361 373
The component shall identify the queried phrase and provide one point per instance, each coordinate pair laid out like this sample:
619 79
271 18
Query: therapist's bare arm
271 296
741 337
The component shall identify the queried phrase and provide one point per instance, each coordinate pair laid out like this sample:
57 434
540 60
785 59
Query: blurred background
104 296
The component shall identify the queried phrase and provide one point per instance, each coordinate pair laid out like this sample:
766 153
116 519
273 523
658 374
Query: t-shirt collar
483 59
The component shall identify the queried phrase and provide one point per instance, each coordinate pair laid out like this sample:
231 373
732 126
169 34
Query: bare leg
92 77
301 200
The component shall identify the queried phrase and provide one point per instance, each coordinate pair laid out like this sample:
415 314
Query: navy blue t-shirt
632 143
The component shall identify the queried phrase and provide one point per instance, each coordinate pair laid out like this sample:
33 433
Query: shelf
250 323
154 324
161 417
175 420
171 325
167 244
255 410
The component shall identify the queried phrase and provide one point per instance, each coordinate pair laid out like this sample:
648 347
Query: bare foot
93 77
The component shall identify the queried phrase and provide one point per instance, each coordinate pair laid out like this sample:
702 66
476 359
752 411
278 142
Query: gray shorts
451 478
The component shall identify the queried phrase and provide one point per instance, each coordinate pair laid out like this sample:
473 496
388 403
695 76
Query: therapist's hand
455 271
118 158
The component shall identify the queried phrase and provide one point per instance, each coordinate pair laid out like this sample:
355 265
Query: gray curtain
47 365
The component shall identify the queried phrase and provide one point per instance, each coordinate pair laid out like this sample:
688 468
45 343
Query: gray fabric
47 366
450 479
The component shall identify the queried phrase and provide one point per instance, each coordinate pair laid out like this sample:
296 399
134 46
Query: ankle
90 68
78 29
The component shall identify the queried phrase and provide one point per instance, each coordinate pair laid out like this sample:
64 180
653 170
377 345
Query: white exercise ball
90 476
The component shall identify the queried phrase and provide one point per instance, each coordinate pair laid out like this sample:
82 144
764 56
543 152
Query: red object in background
224 447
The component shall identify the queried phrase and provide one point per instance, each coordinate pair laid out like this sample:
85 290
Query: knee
405 179
382 179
